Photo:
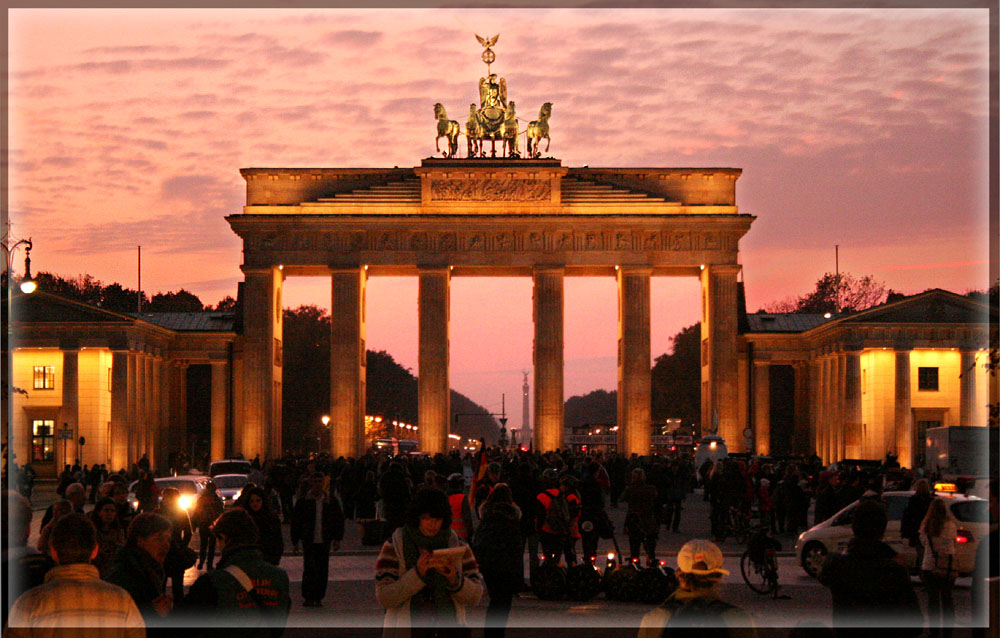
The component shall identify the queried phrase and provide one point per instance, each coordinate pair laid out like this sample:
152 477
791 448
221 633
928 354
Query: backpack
557 516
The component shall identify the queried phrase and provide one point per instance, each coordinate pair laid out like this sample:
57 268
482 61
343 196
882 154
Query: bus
396 446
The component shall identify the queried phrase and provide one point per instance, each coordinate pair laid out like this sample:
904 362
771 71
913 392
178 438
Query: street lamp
325 420
28 286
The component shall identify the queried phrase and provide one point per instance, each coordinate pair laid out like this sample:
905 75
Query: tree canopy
835 293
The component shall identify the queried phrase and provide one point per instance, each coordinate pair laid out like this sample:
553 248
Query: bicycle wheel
756 575
741 528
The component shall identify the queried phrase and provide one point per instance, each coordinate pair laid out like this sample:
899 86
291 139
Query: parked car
230 486
971 514
190 486
229 466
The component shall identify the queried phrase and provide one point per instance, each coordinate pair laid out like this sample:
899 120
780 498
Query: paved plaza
350 602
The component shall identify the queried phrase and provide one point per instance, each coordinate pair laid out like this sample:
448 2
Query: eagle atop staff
488 42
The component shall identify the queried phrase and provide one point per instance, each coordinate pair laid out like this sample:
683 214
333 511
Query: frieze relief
498 241
491 189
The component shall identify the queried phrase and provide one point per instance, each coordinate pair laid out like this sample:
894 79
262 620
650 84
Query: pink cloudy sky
863 128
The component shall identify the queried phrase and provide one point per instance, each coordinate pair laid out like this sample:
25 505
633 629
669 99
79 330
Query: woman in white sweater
425 575
937 534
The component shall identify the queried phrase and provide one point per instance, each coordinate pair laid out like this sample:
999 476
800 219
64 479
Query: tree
597 407
180 301
226 304
88 290
835 293
677 378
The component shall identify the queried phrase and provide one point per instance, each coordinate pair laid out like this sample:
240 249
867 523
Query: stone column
829 413
146 372
434 391
801 440
262 331
967 405
220 383
547 312
840 414
347 362
69 413
634 376
718 329
178 426
119 410
762 406
133 407
156 412
903 422
816 410
853 436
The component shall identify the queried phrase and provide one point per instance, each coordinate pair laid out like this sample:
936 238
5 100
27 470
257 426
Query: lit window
43 440
45 377
927 379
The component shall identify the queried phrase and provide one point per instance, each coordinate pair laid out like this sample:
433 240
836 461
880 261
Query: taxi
971 516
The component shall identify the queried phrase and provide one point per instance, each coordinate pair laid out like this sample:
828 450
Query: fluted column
829 413
853 439
156 412
260 427
801 438
547 312
967 409
840 413
434 392
718 330
119 410
762 406
815 407
148 408
220 383
347 362
133 407
903 422
69 413
634 376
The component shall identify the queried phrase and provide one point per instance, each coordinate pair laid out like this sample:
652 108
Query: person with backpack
244 591
696 603
555 518
461 512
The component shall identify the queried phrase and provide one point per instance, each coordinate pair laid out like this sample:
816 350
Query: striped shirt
74 601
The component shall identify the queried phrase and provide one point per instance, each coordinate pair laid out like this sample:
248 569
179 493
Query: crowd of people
451 527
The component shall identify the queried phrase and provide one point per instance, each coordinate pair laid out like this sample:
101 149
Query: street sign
66 434
83 440
592 439
683 439
662 439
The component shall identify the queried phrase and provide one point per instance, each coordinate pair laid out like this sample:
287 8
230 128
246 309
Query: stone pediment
933 306
43 307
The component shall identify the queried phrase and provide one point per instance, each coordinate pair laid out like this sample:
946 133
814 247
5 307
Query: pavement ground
350 603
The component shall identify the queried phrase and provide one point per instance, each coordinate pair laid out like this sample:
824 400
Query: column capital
258 270
724 269
553 269
635 270
434 270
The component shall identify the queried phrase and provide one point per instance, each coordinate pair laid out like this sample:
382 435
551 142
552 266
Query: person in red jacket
766 505
461 512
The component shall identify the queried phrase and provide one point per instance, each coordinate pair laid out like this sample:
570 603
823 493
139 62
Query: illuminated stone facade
461 218
871 382
117 380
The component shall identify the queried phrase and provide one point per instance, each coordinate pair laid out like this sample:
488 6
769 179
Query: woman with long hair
937 534
268 525
110 535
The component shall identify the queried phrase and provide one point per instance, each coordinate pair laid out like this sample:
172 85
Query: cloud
353 38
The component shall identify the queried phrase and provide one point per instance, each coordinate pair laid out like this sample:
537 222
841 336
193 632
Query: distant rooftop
207 321
785 322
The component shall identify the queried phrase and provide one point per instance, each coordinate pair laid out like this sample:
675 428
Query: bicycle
759 564
739 525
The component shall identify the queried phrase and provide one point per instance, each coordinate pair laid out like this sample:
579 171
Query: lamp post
28 286
325 420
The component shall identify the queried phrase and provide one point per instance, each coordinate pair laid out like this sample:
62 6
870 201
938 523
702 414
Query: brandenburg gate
485 215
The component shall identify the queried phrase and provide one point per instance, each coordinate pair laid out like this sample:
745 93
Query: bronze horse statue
508 131
474 132
446 128
539 129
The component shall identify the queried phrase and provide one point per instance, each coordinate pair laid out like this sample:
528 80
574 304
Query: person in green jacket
244 591
696 603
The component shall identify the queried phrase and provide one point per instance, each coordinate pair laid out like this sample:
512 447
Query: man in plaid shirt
74 600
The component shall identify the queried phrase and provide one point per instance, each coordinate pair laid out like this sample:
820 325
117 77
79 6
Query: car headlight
237 495
185 501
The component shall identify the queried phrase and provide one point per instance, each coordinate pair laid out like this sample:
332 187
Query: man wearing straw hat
696 602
